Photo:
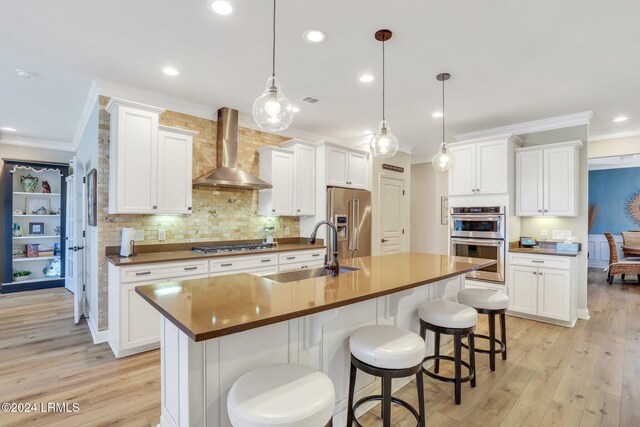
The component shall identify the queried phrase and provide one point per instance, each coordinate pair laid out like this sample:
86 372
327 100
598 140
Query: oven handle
479 217
488 242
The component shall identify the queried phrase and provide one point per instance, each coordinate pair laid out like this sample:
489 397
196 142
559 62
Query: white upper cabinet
175 147
277 168
304 169
149 165
547 180
347 168
482 167
133 157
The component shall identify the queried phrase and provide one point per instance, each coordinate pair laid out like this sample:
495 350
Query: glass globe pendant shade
272 110
383 143
443 160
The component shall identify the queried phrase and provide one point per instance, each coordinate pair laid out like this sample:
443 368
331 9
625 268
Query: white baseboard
583 313
98 336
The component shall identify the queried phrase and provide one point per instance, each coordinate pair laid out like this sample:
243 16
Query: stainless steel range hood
227 174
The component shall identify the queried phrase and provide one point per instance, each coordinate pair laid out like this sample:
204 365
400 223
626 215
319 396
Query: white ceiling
511 61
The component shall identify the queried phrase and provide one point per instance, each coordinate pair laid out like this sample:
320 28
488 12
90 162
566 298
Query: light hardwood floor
587 376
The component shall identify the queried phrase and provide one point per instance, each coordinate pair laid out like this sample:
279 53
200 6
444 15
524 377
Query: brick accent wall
224 214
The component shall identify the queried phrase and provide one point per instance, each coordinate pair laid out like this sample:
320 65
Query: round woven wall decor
633 207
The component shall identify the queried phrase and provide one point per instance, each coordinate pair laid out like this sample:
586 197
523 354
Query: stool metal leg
457 355
472 357
386 401
492 341
420 386
437 353
503 334
352 388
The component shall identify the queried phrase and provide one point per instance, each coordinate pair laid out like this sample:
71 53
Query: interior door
391 215
74 240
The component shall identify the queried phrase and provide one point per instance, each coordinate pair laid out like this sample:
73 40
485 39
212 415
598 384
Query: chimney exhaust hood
227 174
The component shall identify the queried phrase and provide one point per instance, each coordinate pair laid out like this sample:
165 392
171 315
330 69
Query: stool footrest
448 379
395 400
502 348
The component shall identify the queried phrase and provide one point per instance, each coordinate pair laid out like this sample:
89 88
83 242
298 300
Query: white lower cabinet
543 287
134 325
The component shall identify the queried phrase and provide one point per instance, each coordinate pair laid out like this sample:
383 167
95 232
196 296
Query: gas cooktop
236 247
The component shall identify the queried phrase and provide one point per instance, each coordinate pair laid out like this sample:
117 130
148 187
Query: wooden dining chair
623 266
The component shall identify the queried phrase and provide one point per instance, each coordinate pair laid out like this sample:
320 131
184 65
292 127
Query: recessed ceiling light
25 74
221 7
366 78
621 119
8 129
296 109
170 71
437 114
314 36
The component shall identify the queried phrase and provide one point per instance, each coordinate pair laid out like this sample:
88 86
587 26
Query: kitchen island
216 329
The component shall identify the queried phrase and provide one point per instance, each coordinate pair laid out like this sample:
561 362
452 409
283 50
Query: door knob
385 240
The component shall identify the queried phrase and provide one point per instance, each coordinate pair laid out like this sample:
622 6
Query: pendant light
272 110
443 160
383 143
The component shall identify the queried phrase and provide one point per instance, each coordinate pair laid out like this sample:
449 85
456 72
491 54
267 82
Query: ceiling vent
310 100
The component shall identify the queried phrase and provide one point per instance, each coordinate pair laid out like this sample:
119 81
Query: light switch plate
561 234
162 234
544 234
287 231
139 236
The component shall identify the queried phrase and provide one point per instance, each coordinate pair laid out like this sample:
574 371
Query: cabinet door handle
535 272
273 210
265 260
537 261
229 264
316 254
298 210
190 268
477 190
189 208
155 206
143 273
540 273
546 210
540 210
291 257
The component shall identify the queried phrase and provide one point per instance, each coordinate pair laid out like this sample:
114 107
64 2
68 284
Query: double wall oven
480 233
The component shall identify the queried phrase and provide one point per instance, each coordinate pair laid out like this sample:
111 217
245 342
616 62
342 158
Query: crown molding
89 104
551 123
46 144
600 135
181 131
247 122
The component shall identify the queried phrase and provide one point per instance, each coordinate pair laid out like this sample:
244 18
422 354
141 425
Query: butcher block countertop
217 306
187 254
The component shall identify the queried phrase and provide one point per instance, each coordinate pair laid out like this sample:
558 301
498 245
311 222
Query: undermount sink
293 276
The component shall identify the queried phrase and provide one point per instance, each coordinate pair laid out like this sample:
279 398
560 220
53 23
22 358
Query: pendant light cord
383 118
273 54
443 111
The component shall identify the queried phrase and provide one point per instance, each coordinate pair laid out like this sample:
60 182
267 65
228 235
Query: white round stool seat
387 347
448 314
283 396
484 299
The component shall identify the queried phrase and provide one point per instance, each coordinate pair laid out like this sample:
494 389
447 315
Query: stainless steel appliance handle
481 242
350 226
354 222
478 217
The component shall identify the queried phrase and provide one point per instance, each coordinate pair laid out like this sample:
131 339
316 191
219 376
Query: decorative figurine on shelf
16 231
45 187
18 212
55 212
53 268
29 183
56 230
41 211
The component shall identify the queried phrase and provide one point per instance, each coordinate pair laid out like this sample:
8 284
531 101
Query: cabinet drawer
301 256
235 263
300 265
165 270
541 261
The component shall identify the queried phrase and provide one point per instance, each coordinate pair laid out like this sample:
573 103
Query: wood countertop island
216 329
218 306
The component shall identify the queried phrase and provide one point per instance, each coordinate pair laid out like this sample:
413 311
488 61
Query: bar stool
388 352
491 303
282 396
454 319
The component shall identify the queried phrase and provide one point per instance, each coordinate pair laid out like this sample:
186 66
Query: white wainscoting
599 250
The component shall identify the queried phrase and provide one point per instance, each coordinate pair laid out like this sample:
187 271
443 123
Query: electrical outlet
287 231
561 234
139 236
543 234
162 234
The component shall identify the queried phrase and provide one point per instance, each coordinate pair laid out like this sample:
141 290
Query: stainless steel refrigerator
350 211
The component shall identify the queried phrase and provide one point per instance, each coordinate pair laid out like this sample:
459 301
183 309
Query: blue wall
610 189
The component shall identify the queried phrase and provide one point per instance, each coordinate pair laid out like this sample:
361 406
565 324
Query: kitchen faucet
333 265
